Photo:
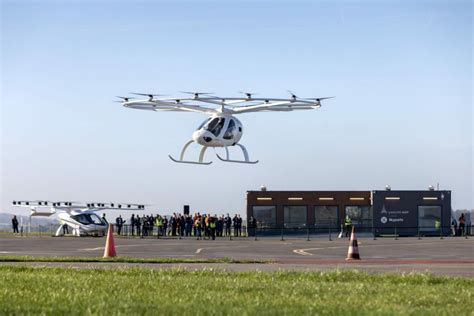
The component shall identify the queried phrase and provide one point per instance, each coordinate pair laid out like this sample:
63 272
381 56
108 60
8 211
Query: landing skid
201 156
191 162
246 156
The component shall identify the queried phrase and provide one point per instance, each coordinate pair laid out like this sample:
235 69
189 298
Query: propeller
318 100
293 96
125 99
148 95
248 94
196 94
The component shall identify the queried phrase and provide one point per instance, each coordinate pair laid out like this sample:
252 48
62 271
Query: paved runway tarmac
448 256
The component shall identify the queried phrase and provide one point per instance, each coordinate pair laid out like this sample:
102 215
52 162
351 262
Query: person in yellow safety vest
197 225
348 225
212 226
159 225
437 224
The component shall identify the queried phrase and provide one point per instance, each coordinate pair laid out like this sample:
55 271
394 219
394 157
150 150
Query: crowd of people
199 226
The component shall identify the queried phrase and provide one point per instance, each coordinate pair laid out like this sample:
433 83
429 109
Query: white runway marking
92 249
102 248
201 249
303 251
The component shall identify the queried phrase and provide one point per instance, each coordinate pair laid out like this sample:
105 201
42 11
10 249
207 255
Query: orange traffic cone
353 253
109 244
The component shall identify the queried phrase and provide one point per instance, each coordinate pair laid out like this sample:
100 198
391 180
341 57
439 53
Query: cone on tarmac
353 252
109 244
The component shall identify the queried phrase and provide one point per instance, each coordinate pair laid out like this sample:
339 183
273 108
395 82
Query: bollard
282 235
330 233
373 233
307 234
441 233
255 234
396 236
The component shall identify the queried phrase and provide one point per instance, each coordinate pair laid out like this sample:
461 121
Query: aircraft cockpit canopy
216 125
88 219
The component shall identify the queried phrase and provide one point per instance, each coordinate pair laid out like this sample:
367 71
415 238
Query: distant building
412 213
382 212
321 210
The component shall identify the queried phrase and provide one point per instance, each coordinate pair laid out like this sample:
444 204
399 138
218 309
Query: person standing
138 225
159 225
105 219
239 225
220 226
174 224
188 225
144 223
235 222
213 226
132 224
348 225
462 224
228 224
165 226
15 225
454 227
119 222
197 226
251 226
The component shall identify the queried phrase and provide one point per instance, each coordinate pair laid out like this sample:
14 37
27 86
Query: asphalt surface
448 256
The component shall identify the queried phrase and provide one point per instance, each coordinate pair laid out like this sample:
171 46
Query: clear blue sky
401 71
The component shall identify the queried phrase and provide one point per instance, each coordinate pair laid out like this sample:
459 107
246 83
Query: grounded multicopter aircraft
80 217
222 128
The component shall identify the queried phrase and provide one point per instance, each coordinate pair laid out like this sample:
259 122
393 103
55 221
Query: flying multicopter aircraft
222 128
80 217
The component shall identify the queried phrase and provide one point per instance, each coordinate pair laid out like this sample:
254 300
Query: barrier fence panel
259 232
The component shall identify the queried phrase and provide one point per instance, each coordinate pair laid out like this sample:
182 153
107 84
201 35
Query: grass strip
144 291
127 259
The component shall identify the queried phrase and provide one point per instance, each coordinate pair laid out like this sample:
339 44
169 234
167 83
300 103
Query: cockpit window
229 133
215 126
87 219
96 219
212 124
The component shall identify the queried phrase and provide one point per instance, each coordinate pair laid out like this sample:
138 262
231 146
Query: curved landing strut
246 156
201 155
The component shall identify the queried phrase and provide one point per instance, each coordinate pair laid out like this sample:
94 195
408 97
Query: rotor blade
148 94
248 94
318 99
124 98
190 92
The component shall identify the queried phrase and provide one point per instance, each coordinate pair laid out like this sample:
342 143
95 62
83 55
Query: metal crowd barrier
329 232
